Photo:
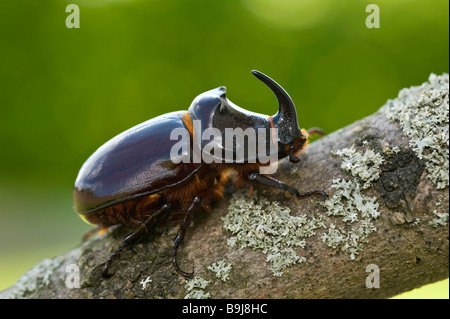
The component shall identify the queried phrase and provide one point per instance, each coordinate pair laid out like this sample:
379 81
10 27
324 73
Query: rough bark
407 249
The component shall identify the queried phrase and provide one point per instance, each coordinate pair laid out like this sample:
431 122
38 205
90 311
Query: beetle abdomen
134 163
137 210
127 212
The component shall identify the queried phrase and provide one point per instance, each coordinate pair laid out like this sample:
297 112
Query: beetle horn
286 118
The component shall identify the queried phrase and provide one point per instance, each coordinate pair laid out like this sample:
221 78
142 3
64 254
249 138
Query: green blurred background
64 92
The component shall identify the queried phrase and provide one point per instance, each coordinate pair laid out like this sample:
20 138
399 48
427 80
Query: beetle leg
100 230
132 237
182 232
91 232
272 182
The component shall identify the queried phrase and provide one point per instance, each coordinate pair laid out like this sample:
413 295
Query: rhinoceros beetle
134 180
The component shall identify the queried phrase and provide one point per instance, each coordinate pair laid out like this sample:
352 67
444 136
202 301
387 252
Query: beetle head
291 139
213 109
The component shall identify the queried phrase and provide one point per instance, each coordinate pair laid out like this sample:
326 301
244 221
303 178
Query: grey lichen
391 151
195 288
423 115
144 283
440 219
35 278
357 212
354 211
416 221
365 167
260 224
41 276
221 269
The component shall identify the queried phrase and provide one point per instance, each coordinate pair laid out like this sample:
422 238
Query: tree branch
388 207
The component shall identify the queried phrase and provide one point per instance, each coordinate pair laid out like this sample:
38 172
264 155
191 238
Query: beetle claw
317 192
105 274
185 274
105 269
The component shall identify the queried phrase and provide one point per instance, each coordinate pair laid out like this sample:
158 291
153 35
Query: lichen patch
39 277
356 212
268 226
221 269
440 219
423 114
391 151
195 288
365 167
